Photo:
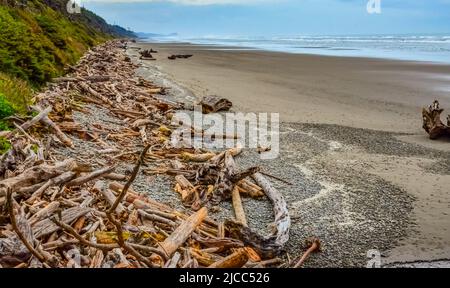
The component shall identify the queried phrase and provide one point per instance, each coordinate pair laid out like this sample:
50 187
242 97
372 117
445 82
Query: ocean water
429 48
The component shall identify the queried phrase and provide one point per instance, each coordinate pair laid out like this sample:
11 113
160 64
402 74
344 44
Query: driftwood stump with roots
432 121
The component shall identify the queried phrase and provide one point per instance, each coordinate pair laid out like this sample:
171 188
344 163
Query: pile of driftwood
432 122
59 212
58 216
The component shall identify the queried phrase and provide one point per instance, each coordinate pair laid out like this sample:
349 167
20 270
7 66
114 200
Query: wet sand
365 174
357 92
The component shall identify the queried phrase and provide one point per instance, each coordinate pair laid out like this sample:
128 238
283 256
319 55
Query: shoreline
223 47
356 188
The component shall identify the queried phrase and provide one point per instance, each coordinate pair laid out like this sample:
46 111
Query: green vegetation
6 108
35 148
37 42
15 96
4 126
4 145
38 38
16 92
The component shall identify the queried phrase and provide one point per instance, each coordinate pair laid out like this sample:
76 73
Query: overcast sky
192 18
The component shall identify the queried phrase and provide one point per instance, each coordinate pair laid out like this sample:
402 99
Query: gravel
350 210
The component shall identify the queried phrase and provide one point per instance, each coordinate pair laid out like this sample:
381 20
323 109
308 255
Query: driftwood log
237 206
235 260
271 246
432 121
282 218
33 121
179 56
35 175
61 136
180 235
212 104
146 55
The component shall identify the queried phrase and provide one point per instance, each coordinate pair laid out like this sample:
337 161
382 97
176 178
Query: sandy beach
365 175
358 92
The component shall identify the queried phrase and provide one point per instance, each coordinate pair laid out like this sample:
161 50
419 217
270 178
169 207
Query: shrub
36 43
52 30
22 53
6 109
16 92
5 145
4 126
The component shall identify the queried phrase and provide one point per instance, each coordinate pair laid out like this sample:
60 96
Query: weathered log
173 262
146 54
115 176
137 200
44 213
167 215
185 188
30 189
110 198
182 232
97 260
86 88
282 218
220 242
225 184
156 218
204 258
272 245
46 226
93 78
212 104
144 122
61 136
179 56
64 177
238 208
186 156
130 114
33 121
235 260
432 121
248 188
32 140
91 176
35 175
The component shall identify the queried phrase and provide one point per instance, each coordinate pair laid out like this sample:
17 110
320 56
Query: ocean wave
411 47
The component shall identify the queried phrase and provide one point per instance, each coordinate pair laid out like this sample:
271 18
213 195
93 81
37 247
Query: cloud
186 2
